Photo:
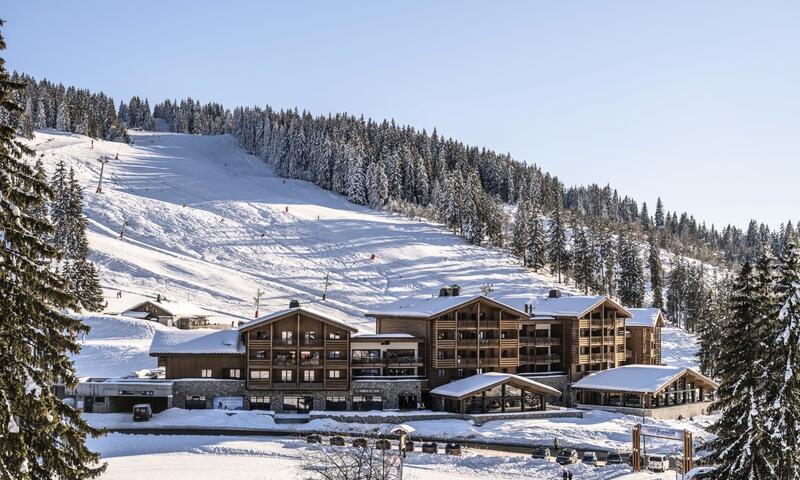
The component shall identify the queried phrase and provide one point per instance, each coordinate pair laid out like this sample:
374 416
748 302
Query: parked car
567 456
431 447
543 453
700 473
409 445
589 458
313 438
142 412
657 463
614 458
337 440
452 449
383 444
360 442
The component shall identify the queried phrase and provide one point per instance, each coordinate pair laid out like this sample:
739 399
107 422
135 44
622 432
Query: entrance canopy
483 382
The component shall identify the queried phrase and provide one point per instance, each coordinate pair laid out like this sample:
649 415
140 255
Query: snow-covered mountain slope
208 223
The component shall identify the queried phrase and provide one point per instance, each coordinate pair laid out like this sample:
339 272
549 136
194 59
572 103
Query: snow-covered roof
310 311
636 378
196 342
176 309
425 307
485 381
135 314
643 317
563 306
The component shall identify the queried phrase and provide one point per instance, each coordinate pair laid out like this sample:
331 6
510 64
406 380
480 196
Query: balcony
284 362
539 341
490 342
312 343
540 359
311 363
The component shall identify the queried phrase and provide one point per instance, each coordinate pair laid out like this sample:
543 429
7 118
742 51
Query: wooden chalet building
643 332
172 314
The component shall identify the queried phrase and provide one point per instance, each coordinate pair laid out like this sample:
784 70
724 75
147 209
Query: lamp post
103 160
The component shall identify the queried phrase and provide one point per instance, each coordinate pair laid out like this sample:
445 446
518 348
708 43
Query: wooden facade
643 342
222 366
298 350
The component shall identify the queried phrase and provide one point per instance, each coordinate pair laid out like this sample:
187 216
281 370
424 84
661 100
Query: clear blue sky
697 102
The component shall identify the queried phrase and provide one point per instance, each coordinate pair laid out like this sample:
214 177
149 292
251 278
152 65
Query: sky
695 102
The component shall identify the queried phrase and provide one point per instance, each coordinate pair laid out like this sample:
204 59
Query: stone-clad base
183 389
687 410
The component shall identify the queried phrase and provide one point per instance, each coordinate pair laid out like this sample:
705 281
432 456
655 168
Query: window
286 337
440 354
335 355
234 373
336 403
99 399
310 338
259 374
309 358
300 404
260 354
308 376
442 372
460 372
262 335
362 403
334 374
335 335
195 402
286 375
259 402
206 373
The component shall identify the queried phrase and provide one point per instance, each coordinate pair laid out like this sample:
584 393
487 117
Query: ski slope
210 224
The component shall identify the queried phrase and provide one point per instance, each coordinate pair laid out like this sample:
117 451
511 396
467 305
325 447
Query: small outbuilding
492 392
172 314
656 391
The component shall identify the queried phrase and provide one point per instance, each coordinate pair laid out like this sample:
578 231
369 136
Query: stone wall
686 410
557 381
208 388
479 419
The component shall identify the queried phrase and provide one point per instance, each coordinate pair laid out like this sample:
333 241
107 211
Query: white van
657 463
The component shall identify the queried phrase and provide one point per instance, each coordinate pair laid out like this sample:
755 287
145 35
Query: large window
259 374
259 402
196 401
334 355
234 373
262 335
366 355
335 335
309 358
260 354
310 338
334 374
300 404
287 337
206 373
363 403
336 403
286 375
308 376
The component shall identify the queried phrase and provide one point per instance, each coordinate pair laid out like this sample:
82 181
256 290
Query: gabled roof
275 316
646 317
487 381
563 306
176 309
426 307
637 378
196 342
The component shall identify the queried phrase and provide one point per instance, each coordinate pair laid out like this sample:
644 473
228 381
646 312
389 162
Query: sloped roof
563 306
485 381
196 342
426 307
645 317
636 378
177 309
289 311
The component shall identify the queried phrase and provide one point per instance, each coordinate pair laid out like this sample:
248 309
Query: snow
543 306
484 381
382 336
422 306
217 342
632 378
115 346
643 317
280 313
679 348
176 309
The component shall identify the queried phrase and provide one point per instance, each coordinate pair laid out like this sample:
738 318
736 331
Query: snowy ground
679 347
132 457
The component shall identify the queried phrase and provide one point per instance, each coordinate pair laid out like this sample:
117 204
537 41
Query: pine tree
356 183
659 216
378 183
710 328
743 448
584 262
521 232
537 254
782 364
631 276
62 117
26 120
557 253
608 266
59 206
41 437
656 272
41 115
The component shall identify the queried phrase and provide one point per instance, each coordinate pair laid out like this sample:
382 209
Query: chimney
555 293
444 292
526 308
455 290
294 304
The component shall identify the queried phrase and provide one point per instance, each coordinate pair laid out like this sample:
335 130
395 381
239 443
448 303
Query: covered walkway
492 393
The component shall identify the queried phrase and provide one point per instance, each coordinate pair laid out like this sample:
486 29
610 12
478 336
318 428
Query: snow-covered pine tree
584 259
25 128
41 115
378 183
782 363
631 274
521 231
59 187
656 271
743 448
472 228
608 262
557 253
644 217
62 117
41 437
711 328
496 222
659 215
537 251
356 181
39 211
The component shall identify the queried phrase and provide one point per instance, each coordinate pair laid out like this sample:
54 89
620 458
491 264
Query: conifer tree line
136 114
750 343
69 237
41 437
69 109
